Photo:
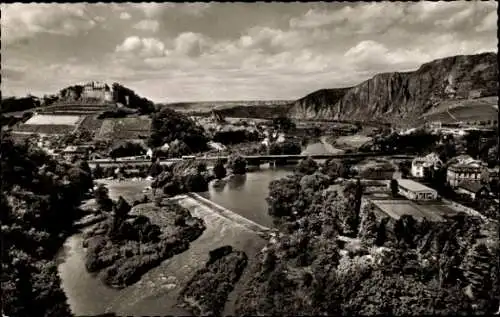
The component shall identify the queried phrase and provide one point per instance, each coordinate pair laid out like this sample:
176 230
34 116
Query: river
156 292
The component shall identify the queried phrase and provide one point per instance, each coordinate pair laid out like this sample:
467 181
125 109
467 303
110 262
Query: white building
415 191
96 90
216 146
420 164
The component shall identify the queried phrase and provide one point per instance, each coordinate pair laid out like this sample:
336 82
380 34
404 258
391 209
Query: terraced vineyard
91 123
125 128
49 124
77 109
45 128
471 111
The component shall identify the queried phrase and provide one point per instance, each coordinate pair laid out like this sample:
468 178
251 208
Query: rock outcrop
405 95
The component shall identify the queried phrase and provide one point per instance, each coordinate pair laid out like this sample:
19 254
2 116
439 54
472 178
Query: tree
155 169
307 166
122 208
368 233
102 198
127 149
476 270
98 172
282 196
237 164
394 188
286 148
333 168
178 149
219 169
168 125
283 123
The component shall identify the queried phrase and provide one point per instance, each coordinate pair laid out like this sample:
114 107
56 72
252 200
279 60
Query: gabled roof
473 187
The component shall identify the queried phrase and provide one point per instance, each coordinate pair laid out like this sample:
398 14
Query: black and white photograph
249 159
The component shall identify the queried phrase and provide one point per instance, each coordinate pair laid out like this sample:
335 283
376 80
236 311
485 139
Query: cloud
152 10
144 47
490 23
26 20
190 44
361 18
125 16
233 51
147 25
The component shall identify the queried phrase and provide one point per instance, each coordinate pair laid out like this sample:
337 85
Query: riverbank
157 291
207 292
123 253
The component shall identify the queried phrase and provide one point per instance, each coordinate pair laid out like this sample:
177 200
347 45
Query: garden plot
42 119
125 128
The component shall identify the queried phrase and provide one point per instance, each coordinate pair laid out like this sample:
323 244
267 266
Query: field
419 210
125 128
91 123
352 141
207 106
41 119
130 190
475 110
45 128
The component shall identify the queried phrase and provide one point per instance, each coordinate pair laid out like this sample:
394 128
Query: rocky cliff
404 96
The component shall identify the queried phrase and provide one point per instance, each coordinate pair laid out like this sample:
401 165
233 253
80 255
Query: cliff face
405 96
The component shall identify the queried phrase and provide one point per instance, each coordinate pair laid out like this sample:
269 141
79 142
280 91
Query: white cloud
145 47
147 25
190 44
259 55
490 23
362 18
25 20
153 10
125 16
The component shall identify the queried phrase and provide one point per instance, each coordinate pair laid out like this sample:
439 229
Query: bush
219 169
127 149
286 148
237 164
307 166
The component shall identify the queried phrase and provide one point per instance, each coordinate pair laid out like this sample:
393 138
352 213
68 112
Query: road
329 147
262 158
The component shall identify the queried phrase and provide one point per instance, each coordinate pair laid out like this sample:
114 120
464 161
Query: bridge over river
253 160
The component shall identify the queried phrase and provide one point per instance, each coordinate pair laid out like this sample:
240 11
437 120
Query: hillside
404 96
76 100
262 109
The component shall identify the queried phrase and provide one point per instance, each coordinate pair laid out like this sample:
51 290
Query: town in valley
298 159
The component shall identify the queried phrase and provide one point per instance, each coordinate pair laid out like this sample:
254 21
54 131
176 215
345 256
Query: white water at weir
157 291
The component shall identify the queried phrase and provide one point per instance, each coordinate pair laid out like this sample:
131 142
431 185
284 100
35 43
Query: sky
171 52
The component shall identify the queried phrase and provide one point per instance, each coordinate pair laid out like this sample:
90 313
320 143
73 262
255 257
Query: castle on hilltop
89 92
96 90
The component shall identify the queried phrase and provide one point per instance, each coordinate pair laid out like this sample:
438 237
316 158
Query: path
329 147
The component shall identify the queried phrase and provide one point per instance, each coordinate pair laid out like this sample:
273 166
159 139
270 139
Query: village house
415 191
72 151
473 189
493 174
420 165
458 173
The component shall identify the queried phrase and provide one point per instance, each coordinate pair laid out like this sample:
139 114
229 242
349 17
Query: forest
387 266
40 199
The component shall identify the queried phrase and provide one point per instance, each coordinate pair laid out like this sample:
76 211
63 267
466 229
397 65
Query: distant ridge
405 96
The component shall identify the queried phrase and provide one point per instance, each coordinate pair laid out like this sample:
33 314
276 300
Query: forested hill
73 94
39 202
405 95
